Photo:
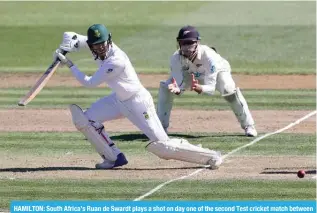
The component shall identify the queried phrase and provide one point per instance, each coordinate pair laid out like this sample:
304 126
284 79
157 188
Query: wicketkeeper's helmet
188 33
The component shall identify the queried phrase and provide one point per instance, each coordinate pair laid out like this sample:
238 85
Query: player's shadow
157 169
60 168
288 172
45 169
141 137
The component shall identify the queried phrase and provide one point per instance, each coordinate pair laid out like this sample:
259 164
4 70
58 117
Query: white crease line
269 134
227 155
314 177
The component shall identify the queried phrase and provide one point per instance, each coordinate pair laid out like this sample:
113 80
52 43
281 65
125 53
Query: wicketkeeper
200 68
129 99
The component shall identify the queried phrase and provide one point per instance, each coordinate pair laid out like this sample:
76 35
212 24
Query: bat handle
63 52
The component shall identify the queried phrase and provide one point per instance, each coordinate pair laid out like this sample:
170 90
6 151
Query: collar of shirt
111 50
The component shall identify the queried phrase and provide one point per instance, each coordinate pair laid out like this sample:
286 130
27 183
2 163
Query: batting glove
70 42
63 59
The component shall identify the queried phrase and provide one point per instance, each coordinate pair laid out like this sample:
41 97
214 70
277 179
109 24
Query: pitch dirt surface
185 121
150 167
243 81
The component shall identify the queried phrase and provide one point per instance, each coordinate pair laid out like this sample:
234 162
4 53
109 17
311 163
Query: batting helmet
97 33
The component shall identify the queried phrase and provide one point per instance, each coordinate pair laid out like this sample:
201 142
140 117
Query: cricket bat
38 86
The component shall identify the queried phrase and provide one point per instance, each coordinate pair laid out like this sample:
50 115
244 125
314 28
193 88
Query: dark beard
193 56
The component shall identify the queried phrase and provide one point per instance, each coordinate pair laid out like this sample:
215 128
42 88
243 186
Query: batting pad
180 149
164 105
240 108
82 123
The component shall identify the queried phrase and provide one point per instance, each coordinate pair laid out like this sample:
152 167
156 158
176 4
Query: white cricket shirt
116 71
205 67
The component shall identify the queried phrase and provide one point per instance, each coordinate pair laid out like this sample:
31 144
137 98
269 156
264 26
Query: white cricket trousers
139 109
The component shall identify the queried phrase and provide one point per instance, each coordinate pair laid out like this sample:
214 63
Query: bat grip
63 52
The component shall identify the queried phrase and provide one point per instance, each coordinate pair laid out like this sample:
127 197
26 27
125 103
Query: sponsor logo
185 32
146 115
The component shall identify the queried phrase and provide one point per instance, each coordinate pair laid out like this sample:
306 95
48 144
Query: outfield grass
257 42
57 97
129 190
238 190
71 190
56 144
45 144
256 37
50 143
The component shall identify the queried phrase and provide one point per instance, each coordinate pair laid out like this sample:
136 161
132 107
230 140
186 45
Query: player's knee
159 149
164 94
94 122
230 97
79 118
163 85
229 89
155 134
151 130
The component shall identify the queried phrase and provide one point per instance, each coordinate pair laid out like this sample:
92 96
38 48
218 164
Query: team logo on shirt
109 70
146 115
212 69
197 74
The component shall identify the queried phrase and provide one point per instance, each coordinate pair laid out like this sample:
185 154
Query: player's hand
173 87
70 42
64 60
55 56
195 85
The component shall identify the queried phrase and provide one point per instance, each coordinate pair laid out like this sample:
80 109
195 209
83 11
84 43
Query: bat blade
39 84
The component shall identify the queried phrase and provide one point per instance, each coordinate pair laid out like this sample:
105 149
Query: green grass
238 190
175 13
31 144
254 41
71 190
251 50
133 143
256 37
57 97
129 190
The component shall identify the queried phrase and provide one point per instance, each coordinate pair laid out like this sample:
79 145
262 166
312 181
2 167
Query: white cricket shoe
250 131
107 164
215 162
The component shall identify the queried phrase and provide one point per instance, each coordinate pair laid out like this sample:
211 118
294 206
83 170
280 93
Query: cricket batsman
200 68
128 99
